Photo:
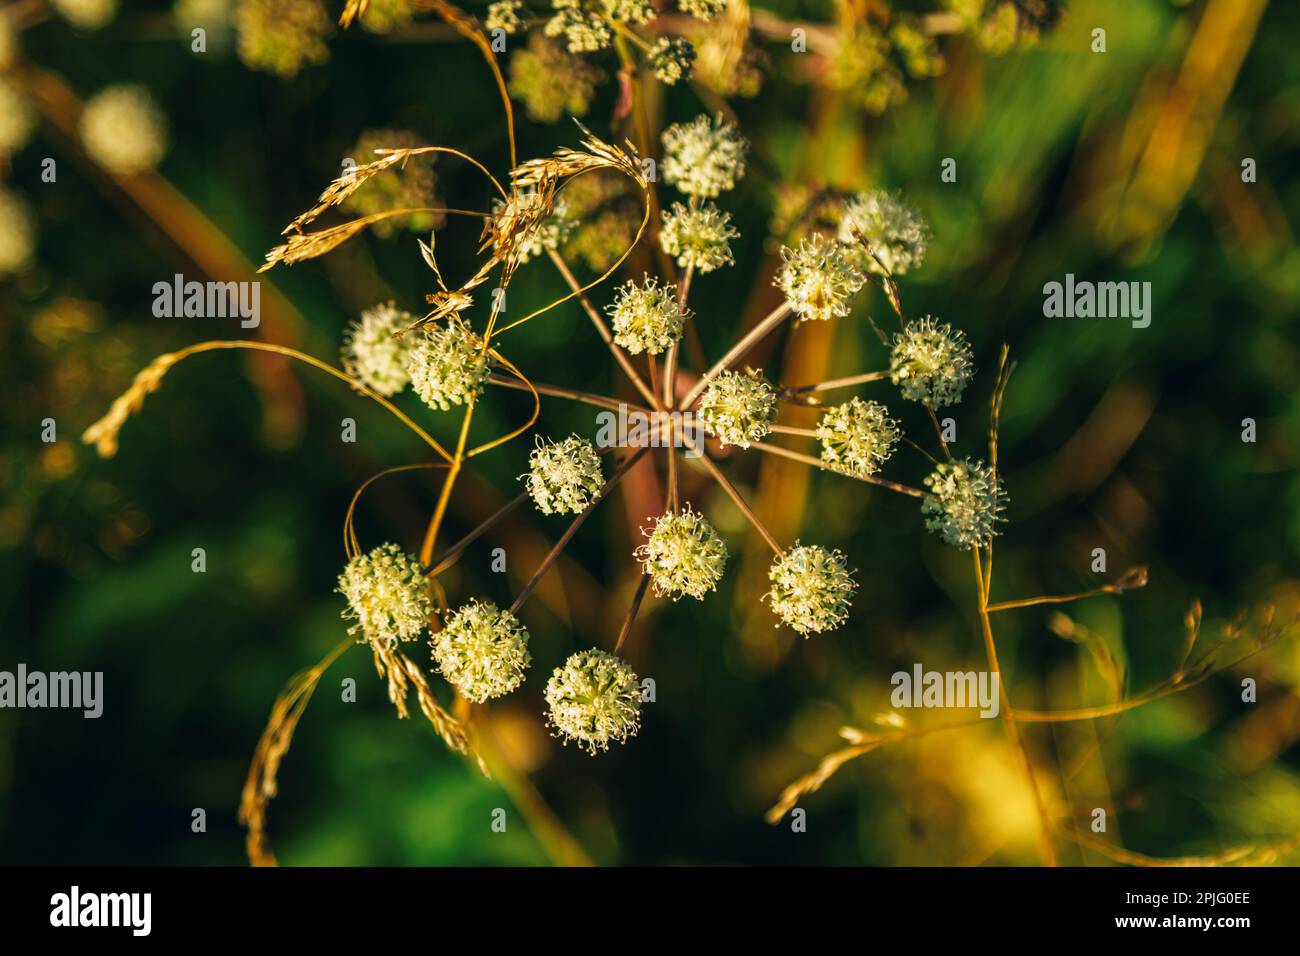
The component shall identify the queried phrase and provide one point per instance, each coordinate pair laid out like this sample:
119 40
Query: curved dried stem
103 433
351 546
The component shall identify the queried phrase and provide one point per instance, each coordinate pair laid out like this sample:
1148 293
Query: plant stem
829 384
602 329
736 496
810 460
574 525
1008 715
559 391
448 557
637 598
737 352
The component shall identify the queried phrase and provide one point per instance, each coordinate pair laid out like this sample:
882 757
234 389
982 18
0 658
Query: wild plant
455 352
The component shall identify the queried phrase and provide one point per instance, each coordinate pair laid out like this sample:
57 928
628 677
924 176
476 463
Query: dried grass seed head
738 408
593 699
563 477
964 504
387 597
704 157
409 183
646 317
372 352
857 436
482 651
811 589
931 363
683 555
819 279
698 237
531 227
448 364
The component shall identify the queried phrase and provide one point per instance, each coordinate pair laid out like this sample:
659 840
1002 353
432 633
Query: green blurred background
1117 166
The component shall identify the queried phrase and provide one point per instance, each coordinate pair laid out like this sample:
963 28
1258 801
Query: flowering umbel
896 236
699 237
964 504
671 59
373 354
703 158
282 36
931 363
563 477
738 409
857 437
387 597
482 651
819 279
811 589
123 130
593 699
683 555
646 317
448 365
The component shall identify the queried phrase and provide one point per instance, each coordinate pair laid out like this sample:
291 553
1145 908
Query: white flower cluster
373 354
564 476
895 233
482 651
699 237
17 121
387 597
448 365
86 14
17 234
965 503
819 279
704 157
811 589
646 317
123 130
583 30
593 699
504 15
683 555
931 363
702 9
671 59
738 409
857 437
